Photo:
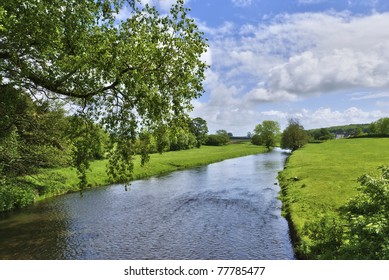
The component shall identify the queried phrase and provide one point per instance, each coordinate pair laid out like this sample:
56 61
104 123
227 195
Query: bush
361 232
256 140
13 196
216 140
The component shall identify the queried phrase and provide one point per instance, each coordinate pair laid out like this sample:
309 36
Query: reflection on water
227 210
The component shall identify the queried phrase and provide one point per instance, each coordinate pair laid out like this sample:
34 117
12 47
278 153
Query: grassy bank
321 178
59 181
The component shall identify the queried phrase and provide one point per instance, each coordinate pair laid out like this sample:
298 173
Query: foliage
215 140
345 130
86 143
219 139
224 135
31 134
2 17
368 218
182 140
322 134
380 127
129 75
268 132
198 127
294 136
14 195
325 238
362 230
256 140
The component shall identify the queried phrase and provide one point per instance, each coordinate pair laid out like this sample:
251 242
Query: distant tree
249 134
268 132
199 128
380 127
224 135
294 136
182 140
220 138
323 134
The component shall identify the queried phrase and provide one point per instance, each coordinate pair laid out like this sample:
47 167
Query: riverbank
53 182
321 178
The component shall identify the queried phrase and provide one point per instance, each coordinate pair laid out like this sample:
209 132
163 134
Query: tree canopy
268 133
130 75
294 136
380 127
199 128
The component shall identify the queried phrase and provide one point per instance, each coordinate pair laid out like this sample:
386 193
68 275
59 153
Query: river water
226 210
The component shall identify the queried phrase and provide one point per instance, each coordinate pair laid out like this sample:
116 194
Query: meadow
319 179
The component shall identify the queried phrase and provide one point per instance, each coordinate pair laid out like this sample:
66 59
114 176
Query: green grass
320 178
59 181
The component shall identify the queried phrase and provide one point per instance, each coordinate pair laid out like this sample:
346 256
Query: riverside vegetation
335 215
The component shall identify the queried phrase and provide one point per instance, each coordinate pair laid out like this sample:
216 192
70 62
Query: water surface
226 210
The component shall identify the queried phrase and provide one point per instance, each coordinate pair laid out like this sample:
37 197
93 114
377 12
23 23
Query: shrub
13 196
216 140
256 140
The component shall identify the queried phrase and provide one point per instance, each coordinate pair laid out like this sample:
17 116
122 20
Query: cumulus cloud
329 117
307 54
324 116
294 56
291 57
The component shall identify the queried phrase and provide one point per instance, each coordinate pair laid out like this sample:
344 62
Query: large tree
294 136
198 127
268 133
129 75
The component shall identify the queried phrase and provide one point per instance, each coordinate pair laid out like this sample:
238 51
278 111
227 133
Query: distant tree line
375 129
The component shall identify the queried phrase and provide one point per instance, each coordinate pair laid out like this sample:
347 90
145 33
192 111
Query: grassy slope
327 175
159 164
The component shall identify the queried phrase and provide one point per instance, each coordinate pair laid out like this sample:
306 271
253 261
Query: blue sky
324 62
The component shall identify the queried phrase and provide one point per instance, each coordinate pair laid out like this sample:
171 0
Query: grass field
59 181
320 178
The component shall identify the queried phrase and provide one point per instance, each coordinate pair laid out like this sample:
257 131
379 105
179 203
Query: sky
324 62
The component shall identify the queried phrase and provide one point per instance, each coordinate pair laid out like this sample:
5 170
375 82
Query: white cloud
261 95
241 3
325 117
305 54
294 56
367 95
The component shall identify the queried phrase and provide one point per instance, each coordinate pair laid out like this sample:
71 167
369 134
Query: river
226 210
